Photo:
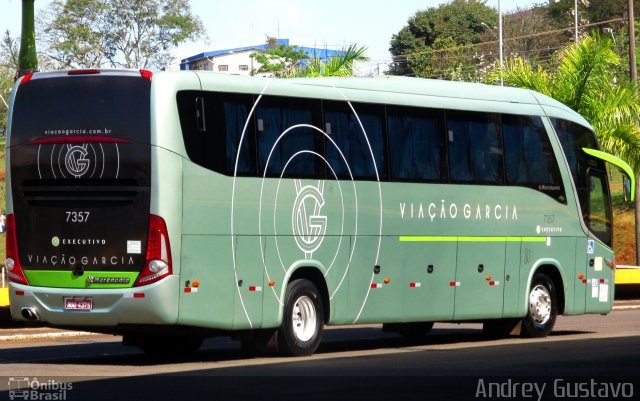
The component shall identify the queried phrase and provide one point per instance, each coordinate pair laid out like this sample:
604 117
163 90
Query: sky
333 24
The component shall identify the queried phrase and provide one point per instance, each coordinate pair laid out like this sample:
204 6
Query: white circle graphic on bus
81 160
76 160
293 213
309 226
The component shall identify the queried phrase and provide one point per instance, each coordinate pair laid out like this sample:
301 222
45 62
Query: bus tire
542 307
302 319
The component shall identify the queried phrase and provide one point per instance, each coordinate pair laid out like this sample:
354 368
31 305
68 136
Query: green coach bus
173 206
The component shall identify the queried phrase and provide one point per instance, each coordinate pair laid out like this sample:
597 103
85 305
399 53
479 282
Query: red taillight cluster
146 74
13 261
158 261
26 78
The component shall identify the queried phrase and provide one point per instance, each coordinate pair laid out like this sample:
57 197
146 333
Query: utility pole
632 43
500 40
27 58
575 21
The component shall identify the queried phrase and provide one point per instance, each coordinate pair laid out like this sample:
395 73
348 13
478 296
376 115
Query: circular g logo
76 160
309 226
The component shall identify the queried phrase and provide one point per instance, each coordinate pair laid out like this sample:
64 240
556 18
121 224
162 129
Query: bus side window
599 217
217 145
475 147
287 144
529 157
416 144
357 138
573 137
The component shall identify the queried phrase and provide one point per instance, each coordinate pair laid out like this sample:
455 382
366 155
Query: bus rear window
82 106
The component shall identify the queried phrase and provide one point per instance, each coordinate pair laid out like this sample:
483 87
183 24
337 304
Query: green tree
75 33
280 61
336 66
9 51
586 79
283 61
441 36
118 33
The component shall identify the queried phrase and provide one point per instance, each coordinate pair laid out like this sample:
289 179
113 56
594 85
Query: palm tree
336 66
584 79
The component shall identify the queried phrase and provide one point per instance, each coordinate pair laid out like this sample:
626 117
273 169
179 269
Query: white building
238 61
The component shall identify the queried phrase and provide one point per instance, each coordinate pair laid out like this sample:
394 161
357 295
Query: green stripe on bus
66 279
436 238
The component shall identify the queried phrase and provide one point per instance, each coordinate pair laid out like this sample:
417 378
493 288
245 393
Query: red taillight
146 74
158 261
26 78
86 71
13 262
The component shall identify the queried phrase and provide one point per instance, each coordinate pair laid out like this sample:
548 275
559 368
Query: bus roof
405 91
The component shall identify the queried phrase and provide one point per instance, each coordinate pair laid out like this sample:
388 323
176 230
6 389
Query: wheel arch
314 274
554 272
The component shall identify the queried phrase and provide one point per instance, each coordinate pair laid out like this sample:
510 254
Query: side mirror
626 188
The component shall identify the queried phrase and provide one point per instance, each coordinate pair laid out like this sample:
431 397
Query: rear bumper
155 304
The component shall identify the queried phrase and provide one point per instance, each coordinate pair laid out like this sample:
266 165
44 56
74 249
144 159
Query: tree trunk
28 58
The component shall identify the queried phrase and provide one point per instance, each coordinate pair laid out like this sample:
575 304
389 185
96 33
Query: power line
511 39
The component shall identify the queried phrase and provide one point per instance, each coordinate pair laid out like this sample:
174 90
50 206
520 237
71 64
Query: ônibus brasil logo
309 225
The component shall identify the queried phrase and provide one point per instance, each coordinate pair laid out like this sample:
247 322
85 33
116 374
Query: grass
624 237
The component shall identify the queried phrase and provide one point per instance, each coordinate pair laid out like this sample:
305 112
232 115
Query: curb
42 336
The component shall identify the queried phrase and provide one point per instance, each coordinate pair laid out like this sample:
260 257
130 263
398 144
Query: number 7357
77 217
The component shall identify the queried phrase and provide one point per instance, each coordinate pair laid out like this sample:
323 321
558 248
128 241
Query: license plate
82 304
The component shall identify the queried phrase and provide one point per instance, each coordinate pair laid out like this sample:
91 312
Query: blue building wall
313 52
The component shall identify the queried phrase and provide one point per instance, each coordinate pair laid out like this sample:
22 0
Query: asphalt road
591 357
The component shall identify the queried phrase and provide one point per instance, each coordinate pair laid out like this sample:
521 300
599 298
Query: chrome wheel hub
540 305
304 318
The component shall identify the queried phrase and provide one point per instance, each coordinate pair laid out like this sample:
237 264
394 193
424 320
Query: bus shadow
335 341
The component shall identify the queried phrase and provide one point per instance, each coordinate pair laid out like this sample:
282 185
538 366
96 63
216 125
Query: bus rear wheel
542 307
302 321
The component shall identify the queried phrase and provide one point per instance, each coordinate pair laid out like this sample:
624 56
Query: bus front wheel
542 307
302 321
